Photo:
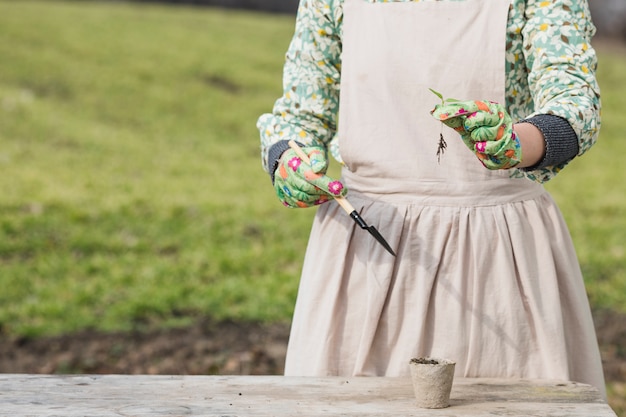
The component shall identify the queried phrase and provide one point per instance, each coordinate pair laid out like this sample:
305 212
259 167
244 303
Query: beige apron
486 273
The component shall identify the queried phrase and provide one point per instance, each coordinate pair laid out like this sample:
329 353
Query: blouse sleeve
308 109
562 65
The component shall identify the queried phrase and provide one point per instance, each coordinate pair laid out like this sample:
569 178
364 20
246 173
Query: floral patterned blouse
550 68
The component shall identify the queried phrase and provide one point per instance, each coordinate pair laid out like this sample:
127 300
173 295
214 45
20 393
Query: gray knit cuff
274 154
561 140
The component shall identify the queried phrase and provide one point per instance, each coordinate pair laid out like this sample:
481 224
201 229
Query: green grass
131 189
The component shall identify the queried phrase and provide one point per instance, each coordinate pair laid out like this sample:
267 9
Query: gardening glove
486 129
299 184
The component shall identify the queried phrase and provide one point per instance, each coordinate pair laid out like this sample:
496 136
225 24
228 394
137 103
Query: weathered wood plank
141 395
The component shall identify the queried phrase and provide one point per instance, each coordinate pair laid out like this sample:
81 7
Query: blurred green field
131 189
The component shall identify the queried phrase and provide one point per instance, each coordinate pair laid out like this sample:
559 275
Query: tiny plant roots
442 143
441 147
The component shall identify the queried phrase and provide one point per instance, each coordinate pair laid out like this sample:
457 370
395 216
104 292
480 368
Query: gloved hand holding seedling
486 129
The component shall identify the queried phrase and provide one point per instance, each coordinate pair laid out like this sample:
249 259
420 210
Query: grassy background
131 190
131 185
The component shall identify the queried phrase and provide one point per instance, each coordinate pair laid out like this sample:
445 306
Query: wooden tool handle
345 204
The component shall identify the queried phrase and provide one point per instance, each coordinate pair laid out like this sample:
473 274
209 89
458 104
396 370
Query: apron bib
392 54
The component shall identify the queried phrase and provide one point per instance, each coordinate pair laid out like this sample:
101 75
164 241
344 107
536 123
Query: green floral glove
299 184
486 129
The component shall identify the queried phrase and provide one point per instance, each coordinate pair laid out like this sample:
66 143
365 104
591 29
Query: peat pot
432 381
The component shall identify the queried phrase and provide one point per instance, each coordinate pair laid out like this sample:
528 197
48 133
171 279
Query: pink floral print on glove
300 185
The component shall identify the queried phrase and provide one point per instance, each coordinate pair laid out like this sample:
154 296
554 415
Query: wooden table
142 395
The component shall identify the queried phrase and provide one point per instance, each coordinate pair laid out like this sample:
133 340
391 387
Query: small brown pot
432 381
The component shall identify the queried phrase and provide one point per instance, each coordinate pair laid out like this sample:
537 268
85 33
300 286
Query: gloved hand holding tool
486 129
339 198
302 182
